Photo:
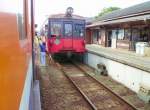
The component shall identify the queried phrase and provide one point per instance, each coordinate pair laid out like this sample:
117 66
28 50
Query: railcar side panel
15 52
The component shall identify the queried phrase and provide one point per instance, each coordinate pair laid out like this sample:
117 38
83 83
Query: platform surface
122 56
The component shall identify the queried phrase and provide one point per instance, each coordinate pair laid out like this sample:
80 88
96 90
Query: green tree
107 10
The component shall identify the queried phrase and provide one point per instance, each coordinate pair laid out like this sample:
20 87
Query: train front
66 34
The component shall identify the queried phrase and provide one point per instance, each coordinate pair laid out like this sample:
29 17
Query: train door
68 35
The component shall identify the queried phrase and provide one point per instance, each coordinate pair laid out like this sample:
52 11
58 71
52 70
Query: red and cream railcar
65 33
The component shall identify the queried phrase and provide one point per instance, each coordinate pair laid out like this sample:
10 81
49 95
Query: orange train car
16 33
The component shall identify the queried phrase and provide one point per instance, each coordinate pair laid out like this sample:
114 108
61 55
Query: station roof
64 16
136 10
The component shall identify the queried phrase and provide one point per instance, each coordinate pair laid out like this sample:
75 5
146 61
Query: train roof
64 16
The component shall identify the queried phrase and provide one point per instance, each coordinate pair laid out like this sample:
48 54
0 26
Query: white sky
11 5
86 8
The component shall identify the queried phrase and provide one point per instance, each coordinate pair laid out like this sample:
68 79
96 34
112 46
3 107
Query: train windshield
79 30
56 29
68 30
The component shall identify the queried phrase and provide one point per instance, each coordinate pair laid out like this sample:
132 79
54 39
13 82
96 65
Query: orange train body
15 54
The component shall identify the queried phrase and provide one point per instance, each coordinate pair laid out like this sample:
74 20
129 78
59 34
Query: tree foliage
107 10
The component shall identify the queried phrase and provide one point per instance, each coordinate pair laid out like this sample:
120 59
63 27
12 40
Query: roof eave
134 17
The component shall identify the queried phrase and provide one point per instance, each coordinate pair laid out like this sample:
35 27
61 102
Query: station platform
129 58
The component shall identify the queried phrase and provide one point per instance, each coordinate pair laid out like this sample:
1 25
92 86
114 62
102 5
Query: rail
131 105
114 95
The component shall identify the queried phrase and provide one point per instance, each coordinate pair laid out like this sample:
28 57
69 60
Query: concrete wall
129 76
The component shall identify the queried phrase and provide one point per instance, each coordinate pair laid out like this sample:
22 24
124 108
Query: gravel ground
57 93
119 89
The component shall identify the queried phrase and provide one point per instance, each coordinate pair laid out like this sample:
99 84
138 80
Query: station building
112 40
121 28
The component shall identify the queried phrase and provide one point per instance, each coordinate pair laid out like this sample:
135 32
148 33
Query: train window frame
64 30
56 22
83 29
21 27
22 20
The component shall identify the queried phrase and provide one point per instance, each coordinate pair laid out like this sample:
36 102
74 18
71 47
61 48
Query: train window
68 30
21 20
79 30
21 27
56 29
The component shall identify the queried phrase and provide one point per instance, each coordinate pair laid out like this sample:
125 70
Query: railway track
57 93
96 94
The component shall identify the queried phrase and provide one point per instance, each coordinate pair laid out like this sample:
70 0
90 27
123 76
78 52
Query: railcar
16 33
65 33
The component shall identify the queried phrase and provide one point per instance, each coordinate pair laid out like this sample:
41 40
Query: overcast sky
86 8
